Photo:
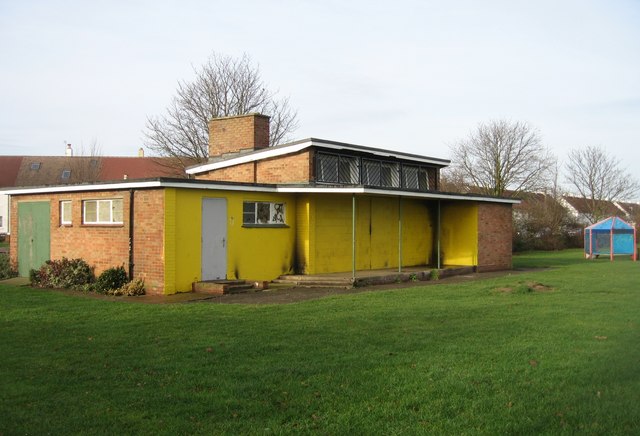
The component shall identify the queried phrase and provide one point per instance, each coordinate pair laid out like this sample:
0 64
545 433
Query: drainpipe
399 234
131 197
353 237
438 239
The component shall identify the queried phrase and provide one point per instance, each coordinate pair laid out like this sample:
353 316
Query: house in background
9 167
581 209
257 212
20 171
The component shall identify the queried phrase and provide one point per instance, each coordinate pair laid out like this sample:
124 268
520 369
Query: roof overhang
247 187
271 152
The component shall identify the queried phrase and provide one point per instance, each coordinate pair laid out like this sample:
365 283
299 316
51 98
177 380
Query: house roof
294 147
582 206
10 167
251 187
59 170
633 209
115 168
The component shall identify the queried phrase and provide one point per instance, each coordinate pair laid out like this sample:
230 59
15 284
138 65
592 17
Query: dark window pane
263 213
327 168
371 172
390 175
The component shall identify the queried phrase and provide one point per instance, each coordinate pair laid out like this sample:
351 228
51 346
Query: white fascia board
219 187
294 148
387 192
83 188
250 188
137 185
266 154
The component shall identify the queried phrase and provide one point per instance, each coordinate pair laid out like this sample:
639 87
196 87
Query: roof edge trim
311 142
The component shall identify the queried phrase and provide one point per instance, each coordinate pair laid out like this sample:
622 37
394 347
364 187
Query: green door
33 235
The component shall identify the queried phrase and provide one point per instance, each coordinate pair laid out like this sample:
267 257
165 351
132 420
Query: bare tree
224 86
452 180
503 158
85 165
542 222
599 178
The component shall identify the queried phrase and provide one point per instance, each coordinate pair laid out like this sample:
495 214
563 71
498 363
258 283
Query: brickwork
148 238
238 173
232 134
494 236
295 168
105 246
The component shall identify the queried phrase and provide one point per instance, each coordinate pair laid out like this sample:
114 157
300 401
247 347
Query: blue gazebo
611 236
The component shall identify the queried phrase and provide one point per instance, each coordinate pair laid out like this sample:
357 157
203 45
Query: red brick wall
494 236
106 246
294 168
148 238
238 173
231 134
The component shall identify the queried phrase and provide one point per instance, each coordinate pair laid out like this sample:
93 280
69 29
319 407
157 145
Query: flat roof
252 187
294 147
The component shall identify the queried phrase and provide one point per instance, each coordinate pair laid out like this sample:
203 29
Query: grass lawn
546 352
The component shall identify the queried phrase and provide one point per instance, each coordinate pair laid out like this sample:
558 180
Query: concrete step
221 287
239 289
314 282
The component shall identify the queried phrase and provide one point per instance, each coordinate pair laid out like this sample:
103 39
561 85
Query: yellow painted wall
331 242
305 232
417 233
325 233
252 253
459 236
318 238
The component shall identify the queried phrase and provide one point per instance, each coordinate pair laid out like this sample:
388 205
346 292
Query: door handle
223 241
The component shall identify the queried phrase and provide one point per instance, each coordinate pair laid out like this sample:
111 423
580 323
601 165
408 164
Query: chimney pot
140 152
68 151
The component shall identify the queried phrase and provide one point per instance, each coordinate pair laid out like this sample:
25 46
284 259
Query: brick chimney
242 132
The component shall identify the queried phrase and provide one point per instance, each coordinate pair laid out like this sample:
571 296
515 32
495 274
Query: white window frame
66 220
101 204
251 214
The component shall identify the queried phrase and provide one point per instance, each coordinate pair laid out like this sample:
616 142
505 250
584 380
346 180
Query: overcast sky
412 76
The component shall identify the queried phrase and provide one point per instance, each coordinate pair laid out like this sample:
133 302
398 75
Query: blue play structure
611 237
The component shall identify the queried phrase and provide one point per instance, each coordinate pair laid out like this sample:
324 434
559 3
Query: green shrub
62 273
133 288
6 272
434 274
111 279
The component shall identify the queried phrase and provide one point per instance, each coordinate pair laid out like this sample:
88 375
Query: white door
214 238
